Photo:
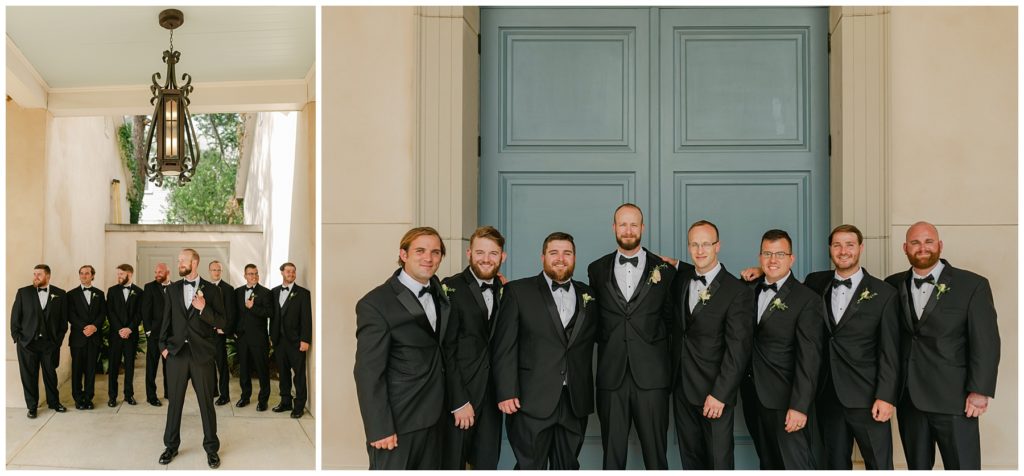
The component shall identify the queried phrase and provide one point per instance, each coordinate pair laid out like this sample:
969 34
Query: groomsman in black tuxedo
949 343
291 331
254 306
39 320
475 435
860 371
542 359
403 341
153 296
713 317
634 371
86 312
188 340
227 291
124 312
779 391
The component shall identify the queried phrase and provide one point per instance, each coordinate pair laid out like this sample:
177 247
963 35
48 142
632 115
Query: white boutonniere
446 290
53 296
290 295
779 305
501 292
704 296
943 289
867 295
655 276
131 293
586 299
199 292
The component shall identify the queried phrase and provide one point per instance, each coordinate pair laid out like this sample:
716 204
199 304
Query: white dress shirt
842 295
426 300
189 291
765 297
43 296
627 277
487 295
921 295
564 301
284 293
88 295
696 286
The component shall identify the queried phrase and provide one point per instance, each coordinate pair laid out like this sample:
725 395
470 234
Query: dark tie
190 283
285 290
765 286
425 290
555 286
927 279
702 279
635 261
42 290
848 282
486 287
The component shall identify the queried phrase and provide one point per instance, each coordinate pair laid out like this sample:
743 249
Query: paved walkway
131 437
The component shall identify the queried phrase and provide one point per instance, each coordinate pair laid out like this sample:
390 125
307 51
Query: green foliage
209 197
138 182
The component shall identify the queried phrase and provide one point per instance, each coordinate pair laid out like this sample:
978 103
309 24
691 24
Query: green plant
138 183
209 198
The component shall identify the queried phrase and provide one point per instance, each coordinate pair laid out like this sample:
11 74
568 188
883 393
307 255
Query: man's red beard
923 262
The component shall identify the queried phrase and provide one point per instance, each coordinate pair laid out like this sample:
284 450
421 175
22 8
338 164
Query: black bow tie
765 286
284 289
486 287
42 290
927 279
425 290
702 279
247 288
88 289
190 283
555 286
848 282
635 261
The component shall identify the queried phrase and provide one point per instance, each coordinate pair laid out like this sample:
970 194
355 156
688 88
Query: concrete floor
131 437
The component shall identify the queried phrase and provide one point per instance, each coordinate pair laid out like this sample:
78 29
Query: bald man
949 344
152 317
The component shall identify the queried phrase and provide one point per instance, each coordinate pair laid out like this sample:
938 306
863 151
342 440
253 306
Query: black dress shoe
59 408
222 401
130 401
31 412
155 402
213 460
281 407
241 403
261 406
79 406
297 413
112 403
89 406
168 455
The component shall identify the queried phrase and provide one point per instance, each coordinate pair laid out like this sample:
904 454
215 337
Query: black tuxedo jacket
183 322
153 308
531 354
251 324
786 361
27 316
227 292
294 322
473 329
82 313
637 331
122 313
862 353
400 368
711 346
953 349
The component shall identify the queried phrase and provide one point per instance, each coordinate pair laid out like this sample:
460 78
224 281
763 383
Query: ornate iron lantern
177 153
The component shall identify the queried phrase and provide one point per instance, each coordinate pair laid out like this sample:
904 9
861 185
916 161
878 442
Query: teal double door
691 113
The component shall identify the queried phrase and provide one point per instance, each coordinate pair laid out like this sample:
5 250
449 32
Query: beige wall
59 198
954 163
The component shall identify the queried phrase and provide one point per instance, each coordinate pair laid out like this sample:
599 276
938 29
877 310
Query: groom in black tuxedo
634 371
949 342
779 391
193 310
475 436
86 312
713 320
860 372
542 359
39 320
402 337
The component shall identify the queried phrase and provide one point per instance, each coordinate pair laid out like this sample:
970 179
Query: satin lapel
613 287
851 310
412 305
944 279
712 289
549 302
826 302
287 301
644 287
908 313
781 295
179 296
474 290
444 307
581 317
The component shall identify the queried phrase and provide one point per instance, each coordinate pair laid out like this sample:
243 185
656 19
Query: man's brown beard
480 274
560 278
185 272
923 263
628 247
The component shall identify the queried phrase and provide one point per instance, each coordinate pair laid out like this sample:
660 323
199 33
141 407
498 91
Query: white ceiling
87 47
